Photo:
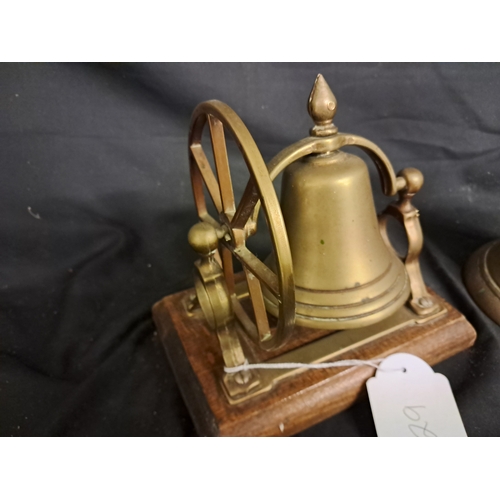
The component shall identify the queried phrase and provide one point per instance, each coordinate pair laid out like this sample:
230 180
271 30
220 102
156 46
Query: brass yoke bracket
409 182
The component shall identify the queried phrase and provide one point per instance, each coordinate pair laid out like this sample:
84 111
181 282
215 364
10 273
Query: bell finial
322 108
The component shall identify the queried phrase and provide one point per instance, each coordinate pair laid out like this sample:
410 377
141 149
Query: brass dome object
482 278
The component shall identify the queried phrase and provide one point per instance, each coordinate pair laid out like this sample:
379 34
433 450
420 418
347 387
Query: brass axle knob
203 238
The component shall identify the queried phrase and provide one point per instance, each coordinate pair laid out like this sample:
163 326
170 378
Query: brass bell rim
363 302
380 277
382 289
479 282
485 270
373 312
346 323
350 320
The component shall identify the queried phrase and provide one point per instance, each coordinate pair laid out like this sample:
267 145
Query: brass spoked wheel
237 222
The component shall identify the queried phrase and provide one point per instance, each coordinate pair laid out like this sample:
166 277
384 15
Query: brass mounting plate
327 348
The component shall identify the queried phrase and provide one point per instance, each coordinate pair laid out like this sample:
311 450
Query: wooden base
298 402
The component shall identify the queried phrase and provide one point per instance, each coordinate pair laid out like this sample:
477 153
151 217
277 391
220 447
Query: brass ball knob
203 238
414 179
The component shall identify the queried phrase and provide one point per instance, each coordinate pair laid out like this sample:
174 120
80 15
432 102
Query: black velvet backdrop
95 205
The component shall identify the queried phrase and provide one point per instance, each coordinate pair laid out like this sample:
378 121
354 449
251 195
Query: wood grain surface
300 401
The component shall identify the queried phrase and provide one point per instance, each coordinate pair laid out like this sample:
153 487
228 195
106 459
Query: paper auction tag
408 399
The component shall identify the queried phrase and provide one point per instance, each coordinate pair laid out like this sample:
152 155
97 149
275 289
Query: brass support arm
409 182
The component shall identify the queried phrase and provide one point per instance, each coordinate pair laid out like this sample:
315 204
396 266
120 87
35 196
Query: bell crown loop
325 139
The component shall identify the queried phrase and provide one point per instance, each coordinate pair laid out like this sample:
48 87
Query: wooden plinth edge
299 402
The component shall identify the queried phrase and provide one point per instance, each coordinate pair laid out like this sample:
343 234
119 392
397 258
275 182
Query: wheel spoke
259 307
246 206
199 197
227 266
197 185
207 175
222 165
244 319
259 269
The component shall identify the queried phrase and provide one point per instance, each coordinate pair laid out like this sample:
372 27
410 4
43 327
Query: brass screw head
203 238
322 107
425 302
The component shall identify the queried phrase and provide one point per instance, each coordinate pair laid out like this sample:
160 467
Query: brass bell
332 266
345 274
332 288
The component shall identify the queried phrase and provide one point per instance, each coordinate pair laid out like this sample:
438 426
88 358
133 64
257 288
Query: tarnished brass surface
345 273
212 293
237 222
410 181
217 305
482 278
345 276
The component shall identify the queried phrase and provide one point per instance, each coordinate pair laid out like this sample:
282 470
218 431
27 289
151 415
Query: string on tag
374 363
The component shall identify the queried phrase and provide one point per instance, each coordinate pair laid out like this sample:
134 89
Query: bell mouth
354 307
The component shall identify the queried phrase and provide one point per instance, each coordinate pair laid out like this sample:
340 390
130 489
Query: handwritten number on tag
412 414
415 403
425 432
